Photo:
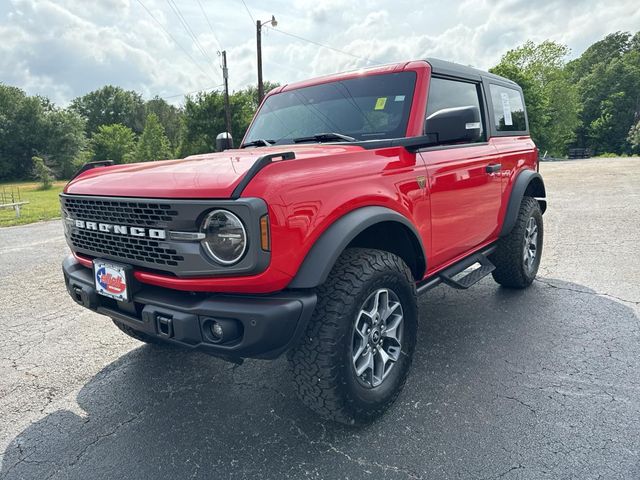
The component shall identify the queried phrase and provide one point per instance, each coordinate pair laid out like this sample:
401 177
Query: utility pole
259 45
259 25
225 75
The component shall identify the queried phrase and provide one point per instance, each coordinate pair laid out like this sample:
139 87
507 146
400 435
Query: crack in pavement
369 463
102 436
332 448
507 472
533 410
598 294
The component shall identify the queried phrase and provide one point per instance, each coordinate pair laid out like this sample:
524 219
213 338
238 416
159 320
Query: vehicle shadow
522 382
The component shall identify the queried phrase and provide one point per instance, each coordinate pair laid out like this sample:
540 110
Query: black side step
448 276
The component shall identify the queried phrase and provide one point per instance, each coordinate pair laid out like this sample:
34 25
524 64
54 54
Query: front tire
518 254
354 358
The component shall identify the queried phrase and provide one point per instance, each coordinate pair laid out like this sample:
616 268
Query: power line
306 39
253 20
172 4
172 38
188 29
210 25
320 44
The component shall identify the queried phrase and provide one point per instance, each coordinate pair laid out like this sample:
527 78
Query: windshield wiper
324 137
260 142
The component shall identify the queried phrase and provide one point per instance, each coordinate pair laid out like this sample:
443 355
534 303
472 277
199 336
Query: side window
508 109
444 93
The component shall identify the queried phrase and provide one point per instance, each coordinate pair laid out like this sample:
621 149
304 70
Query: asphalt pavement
536 384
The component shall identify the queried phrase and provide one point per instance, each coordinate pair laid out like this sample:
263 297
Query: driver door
464 180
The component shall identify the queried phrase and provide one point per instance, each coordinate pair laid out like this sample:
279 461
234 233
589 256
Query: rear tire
354 358
518 254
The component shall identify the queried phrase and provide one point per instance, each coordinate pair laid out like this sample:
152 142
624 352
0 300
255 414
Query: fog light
221 330
217 332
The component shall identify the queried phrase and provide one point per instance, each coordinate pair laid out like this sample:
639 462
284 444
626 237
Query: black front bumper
268 324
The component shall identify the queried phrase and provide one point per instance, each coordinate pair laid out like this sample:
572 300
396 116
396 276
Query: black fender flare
322 256
520 186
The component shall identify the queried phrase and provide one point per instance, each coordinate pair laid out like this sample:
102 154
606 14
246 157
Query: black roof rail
444 67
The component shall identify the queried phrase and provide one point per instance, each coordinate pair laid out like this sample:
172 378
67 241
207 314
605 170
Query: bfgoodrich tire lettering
322 363
518 254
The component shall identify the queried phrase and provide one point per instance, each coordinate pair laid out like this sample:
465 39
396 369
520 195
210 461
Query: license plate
111 280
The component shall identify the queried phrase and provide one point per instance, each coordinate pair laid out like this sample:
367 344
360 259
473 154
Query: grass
43 204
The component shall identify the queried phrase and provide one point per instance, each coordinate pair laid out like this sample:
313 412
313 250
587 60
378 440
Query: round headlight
226 238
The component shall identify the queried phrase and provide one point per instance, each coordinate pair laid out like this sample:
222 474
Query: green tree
634 136
65 140
21 121
42 173
33 126
169 116
113 142
109 105
607 76
203 118
153 143
552 100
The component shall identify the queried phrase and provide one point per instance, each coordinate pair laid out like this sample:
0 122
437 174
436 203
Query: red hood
212 175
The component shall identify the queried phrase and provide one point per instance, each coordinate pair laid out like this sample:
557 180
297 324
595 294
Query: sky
66 48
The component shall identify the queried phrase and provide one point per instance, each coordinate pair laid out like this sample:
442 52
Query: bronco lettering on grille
154 233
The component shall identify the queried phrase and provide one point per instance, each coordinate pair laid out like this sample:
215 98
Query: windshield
366 108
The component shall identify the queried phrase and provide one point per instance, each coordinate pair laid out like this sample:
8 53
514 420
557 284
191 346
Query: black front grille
145 214
106 232
148 251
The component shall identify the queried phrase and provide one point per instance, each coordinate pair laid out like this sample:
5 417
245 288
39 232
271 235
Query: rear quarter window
508 109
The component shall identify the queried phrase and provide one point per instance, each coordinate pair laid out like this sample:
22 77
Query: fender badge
422 181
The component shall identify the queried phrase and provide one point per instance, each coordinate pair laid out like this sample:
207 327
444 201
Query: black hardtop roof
443 67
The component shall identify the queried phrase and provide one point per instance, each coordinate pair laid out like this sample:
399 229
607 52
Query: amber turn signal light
265 238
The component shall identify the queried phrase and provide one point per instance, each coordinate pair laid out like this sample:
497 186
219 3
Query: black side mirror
457 124
224 141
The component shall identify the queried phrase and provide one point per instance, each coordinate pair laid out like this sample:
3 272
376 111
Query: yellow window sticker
380 103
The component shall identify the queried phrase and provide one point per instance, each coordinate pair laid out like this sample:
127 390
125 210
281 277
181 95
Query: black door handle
493 167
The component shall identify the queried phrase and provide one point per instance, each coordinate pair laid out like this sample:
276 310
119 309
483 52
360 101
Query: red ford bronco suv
349 196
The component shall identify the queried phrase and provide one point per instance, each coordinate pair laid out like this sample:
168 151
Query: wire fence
10 195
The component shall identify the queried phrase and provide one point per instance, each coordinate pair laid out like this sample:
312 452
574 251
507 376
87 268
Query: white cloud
65 48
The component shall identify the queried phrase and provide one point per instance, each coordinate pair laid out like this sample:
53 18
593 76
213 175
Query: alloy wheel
377 337
530 244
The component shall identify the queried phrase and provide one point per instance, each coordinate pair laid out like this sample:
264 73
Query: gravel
542 383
